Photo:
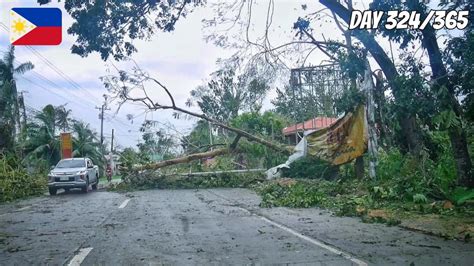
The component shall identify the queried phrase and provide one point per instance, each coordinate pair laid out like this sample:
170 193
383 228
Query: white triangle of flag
19 26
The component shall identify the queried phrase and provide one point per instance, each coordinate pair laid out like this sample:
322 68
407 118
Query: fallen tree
185 159
121 87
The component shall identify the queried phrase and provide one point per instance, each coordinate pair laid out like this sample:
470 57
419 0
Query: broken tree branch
185 159
139 77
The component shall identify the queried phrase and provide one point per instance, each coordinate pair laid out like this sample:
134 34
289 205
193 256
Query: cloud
180 59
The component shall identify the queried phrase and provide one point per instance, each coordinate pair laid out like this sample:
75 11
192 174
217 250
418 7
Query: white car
73 173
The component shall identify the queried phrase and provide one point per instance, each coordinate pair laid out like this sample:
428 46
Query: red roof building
295 132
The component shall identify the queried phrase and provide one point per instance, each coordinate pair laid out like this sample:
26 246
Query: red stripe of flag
41 36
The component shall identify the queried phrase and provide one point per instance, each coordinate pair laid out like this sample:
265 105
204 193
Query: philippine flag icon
35 26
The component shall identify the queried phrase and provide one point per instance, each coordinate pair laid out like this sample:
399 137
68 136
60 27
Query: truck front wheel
52 191
94 187
86 188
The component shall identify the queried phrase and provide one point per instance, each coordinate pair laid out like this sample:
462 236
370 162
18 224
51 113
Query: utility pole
22 103
101 117
112 142
111 154
368 86
210 135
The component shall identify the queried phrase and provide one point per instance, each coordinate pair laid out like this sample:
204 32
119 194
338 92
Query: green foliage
311 168
42 142
403 176
341 196
10 69
459 56
197 139
125 20
419 198
227 94
460 195
268 125
158 181
287 104
350 99
129 157
298 195
415 95
42 145
156 145
16 183
349 197
85 143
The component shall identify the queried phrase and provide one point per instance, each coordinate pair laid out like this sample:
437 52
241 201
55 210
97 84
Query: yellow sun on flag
19 26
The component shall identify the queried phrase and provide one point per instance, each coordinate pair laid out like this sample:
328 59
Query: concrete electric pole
101 117
112 142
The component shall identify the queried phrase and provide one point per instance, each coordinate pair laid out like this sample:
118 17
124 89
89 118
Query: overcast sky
181 59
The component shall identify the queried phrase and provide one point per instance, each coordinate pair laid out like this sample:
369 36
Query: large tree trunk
185 159
407 121
457 135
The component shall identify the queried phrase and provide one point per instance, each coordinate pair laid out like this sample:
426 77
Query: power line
47 80
55 68
59 71
66 78
56 85
54 93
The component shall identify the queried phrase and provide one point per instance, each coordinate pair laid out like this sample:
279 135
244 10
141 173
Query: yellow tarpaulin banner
66 145
341 142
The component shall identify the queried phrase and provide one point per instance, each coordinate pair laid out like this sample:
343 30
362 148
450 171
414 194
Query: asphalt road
215 226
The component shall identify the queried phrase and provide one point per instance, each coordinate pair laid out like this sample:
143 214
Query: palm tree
9 106
63 118
42 144
85 142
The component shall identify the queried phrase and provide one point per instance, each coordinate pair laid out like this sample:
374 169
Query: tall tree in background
227 94
9 105
42 145
442 86
157 144
63 118
85 142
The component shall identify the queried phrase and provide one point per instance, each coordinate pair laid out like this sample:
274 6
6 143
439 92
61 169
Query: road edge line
79 257
315 242
124 203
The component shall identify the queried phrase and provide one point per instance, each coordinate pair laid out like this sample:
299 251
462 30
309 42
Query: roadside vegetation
29 138
16 182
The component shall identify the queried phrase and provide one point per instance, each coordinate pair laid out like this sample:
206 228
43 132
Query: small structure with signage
66 145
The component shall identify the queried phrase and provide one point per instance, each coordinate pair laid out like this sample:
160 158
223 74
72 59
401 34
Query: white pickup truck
73 173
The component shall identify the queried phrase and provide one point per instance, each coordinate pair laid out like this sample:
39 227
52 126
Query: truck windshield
71 164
